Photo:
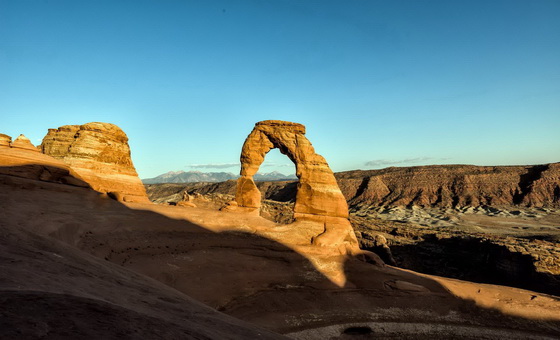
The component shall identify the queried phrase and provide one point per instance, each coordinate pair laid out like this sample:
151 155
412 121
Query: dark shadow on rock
247 276
280 191
44 173
526 180
476 260
411 306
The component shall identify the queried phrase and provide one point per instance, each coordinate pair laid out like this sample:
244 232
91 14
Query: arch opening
277 183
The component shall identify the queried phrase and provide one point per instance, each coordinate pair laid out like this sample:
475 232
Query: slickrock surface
53 290
513 245
27 162
100 154
318 198
244 266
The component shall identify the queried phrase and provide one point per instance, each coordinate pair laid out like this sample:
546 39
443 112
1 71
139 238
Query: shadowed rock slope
513 242
50 289
244 266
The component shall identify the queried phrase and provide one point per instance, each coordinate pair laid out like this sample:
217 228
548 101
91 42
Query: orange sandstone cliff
100 155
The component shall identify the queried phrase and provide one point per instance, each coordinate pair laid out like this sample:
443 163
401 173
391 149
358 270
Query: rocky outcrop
22 142
318 198
454 185
100 154
5 140
22 159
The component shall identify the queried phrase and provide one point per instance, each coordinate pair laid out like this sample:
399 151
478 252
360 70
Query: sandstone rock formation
187 201
231 263
5 140
22 159
318 197
100 154
22 142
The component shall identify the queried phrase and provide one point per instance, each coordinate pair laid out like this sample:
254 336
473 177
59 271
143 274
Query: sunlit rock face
318 197
100 154
5 140
22 142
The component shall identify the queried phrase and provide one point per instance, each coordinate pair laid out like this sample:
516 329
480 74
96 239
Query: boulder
100 154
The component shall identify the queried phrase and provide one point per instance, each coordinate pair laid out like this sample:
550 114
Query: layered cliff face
454 186
100 154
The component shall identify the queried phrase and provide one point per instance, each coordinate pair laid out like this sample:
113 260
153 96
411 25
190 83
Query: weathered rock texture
318 197
22 159
454 185
5 140
22 142
242 265
100 154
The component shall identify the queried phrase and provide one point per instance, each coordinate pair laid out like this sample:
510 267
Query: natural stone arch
317 193
318 197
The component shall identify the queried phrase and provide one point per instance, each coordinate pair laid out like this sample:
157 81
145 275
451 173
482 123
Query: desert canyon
452 252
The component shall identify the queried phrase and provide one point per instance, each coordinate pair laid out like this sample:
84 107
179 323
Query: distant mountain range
197 176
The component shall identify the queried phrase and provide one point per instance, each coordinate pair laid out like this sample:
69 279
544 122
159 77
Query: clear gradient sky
377 83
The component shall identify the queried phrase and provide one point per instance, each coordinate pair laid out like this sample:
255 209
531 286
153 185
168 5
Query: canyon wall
454 185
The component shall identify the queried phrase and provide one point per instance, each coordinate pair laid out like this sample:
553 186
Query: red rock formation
22 159
318 197
454 185
22 142
542 186
5 140
100 154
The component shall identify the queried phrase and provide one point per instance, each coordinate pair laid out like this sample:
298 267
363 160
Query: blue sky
377 83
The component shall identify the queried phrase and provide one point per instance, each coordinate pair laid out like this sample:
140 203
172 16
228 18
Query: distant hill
273 176
198 176
190 177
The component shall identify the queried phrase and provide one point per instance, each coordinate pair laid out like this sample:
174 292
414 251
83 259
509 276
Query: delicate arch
318 193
